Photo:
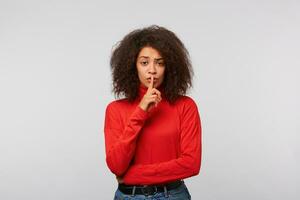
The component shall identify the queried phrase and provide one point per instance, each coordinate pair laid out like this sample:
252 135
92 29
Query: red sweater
153 147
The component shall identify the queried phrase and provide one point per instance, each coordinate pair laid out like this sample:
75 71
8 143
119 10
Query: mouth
153 79
149 79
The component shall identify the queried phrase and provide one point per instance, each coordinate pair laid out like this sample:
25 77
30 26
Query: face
150 63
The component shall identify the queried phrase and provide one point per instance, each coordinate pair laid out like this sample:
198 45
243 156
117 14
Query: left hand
120 179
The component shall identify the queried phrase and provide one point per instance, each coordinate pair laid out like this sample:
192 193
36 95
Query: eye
161 64
144 62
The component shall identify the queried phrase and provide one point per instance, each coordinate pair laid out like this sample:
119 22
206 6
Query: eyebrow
148 57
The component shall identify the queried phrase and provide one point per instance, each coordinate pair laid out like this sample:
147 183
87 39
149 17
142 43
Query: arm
186 165
120 142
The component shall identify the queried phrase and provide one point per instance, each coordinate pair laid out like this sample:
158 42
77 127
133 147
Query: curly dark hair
178 69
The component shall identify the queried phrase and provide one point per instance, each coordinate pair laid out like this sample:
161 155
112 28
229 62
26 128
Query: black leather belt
148 189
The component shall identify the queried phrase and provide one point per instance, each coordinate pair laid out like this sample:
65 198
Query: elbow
115 167
197 162
196 166
192 164
196 170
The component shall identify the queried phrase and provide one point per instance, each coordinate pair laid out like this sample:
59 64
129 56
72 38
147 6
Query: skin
150 68
150 63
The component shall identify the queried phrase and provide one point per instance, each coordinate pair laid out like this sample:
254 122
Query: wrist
143 107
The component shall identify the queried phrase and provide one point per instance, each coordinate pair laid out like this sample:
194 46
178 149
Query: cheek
140 72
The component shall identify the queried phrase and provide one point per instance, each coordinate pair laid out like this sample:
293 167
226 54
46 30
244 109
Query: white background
55 83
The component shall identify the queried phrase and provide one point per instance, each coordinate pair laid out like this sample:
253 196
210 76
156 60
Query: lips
154 80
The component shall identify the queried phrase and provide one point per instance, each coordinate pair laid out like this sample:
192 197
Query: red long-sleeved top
153 147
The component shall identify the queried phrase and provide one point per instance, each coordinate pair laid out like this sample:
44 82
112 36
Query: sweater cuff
141 113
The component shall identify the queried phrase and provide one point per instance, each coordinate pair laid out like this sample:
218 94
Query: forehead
149 52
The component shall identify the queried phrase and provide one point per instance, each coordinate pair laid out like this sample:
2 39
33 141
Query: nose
152 68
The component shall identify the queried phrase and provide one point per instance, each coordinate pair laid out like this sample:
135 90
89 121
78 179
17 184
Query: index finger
151 83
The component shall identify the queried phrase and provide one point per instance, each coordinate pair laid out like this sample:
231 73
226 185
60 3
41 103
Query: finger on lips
154 92
152 81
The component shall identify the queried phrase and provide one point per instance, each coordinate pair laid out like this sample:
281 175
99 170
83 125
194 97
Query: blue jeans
179 193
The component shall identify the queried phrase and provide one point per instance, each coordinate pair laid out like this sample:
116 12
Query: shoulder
185 102
117 105
187 109
186 106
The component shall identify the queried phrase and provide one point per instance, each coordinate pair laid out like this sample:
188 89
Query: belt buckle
145 189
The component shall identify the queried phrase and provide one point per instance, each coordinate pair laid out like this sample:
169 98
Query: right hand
151 98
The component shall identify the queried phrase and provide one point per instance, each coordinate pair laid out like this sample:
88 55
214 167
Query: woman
153 135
